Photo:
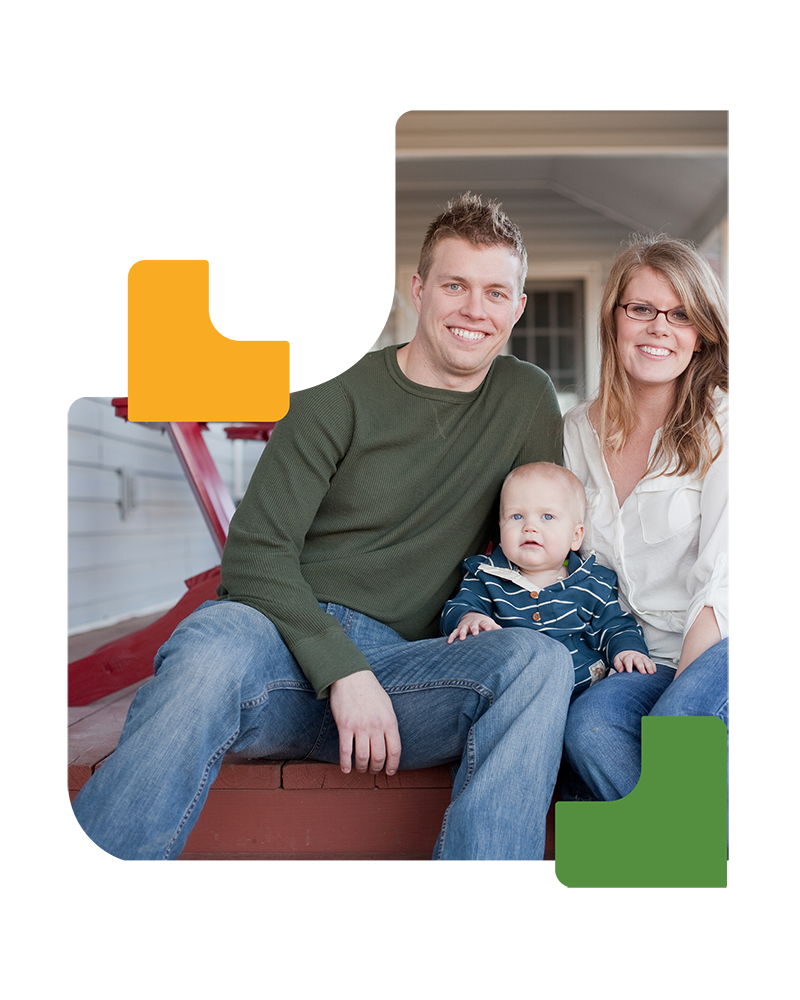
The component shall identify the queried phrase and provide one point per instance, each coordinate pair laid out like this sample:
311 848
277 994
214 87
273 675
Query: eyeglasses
645 313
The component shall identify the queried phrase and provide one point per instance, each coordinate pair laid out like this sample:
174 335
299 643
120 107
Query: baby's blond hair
556 472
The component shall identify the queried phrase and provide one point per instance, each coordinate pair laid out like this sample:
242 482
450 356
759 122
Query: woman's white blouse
668 543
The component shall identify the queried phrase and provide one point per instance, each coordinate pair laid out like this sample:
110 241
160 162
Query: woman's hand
472 623
629 658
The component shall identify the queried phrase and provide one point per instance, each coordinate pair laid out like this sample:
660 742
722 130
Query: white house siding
127 563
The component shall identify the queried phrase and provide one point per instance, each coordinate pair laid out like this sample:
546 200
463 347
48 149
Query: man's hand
628 659
473 623
365 718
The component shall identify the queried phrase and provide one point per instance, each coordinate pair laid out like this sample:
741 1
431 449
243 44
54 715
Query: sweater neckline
428 391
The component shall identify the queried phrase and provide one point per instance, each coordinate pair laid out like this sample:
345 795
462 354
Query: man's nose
473 305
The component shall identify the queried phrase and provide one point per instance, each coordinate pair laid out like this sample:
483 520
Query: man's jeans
224 680
603 739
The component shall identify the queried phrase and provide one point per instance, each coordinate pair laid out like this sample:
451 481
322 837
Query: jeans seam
285 685
203 782
469 754
249 703
347 624
479 689
323 731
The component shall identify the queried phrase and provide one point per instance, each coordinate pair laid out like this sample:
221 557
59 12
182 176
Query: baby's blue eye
516 517
547 517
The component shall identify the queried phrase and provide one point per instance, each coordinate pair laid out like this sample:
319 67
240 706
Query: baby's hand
628 659
473 623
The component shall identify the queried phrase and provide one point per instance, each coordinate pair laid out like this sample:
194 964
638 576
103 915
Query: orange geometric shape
184 286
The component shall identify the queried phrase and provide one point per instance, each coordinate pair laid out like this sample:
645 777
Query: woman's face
653 353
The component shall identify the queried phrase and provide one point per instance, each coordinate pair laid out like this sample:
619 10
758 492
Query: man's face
467 306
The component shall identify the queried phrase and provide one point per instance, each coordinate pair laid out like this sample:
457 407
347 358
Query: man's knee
223 645
529 654
550 654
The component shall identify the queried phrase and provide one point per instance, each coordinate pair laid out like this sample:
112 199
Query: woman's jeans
224 680
603 738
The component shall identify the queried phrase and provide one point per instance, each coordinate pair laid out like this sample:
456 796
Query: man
369 495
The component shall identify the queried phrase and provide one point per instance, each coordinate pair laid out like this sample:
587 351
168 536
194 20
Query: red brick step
288 810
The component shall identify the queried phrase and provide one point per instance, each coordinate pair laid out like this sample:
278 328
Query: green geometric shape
671 831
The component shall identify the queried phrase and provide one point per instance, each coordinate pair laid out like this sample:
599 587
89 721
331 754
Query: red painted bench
288 810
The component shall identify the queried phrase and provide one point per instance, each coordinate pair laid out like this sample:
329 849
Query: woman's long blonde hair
685 446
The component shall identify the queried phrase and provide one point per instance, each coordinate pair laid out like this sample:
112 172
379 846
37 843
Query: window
550 334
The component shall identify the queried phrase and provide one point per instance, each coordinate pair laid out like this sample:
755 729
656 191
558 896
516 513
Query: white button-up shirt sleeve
668 543
708 579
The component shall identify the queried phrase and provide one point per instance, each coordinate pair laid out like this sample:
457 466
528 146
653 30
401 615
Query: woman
651 450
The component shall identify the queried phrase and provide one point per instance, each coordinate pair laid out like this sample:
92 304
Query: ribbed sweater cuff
326 658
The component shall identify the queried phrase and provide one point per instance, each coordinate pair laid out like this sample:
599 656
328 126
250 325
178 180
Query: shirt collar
501 567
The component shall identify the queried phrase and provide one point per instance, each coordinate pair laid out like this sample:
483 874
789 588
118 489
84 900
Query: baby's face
538 522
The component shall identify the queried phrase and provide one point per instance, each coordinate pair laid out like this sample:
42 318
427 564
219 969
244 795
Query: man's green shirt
370 494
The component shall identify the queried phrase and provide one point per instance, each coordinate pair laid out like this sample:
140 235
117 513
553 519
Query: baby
535 579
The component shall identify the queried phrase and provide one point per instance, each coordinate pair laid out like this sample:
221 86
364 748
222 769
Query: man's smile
473 335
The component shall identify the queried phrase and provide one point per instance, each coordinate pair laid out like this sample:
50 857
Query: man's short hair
467 218
557 472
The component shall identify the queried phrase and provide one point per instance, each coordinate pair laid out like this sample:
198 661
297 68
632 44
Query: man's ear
520 306
576 541
416 291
